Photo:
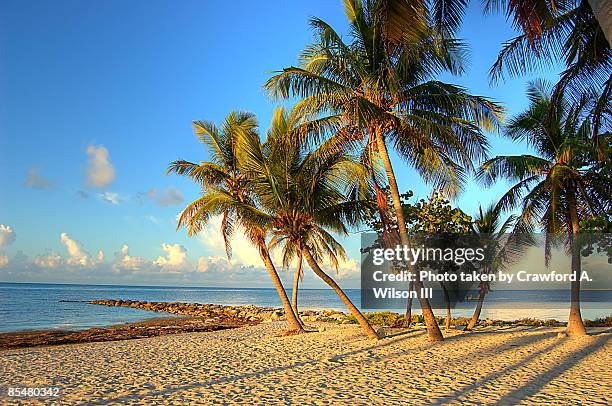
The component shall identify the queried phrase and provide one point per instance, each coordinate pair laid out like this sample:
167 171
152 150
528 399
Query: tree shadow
256 374
492 349
598 332
535 385
510 368
387 341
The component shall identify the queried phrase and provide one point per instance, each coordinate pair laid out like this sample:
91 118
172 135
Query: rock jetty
248 313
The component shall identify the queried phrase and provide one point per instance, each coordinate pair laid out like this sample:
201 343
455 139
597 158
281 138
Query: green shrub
538 323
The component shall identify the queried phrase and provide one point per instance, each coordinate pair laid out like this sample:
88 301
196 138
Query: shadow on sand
479 353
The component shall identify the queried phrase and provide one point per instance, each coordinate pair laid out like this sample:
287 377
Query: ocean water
32 306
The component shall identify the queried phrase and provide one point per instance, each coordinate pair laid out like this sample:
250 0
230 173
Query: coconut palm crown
373 85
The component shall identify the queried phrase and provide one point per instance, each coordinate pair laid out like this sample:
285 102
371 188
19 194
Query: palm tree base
294 332
576 332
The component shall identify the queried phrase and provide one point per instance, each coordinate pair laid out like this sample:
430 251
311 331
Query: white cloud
347 268
3 261
243 252
125 261
203 264
152 219
100 172
50 260
110 197
216 264
35 180
176 256
76 254
7 235
168 197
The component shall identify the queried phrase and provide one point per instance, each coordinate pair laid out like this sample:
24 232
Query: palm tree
301 197
379 90
558 186
499 249
222 184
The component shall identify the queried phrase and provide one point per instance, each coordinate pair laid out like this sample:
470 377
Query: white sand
250 364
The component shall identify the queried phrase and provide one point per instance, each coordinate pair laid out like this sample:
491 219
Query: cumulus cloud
123 259
166 197
203 264
76 255
176 256
243 252
35 180
7 235
100 172
245 255
216 264
50 260
110 197
347 268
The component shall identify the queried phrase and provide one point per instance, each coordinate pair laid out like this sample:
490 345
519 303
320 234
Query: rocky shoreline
147 328
257 314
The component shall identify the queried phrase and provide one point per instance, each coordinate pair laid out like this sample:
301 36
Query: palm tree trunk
292 320
353 309
447 322
430 320
575 326
602 9
476 315
294 290
408 316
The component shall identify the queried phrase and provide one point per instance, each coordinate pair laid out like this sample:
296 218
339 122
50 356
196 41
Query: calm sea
30 306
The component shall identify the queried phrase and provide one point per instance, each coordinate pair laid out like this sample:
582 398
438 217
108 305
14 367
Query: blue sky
98 97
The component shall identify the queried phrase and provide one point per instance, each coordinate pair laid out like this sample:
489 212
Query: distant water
32 306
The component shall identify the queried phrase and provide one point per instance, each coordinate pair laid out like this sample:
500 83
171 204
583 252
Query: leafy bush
538 323
388 319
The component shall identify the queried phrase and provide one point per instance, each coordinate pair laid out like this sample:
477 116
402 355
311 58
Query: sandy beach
253 364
